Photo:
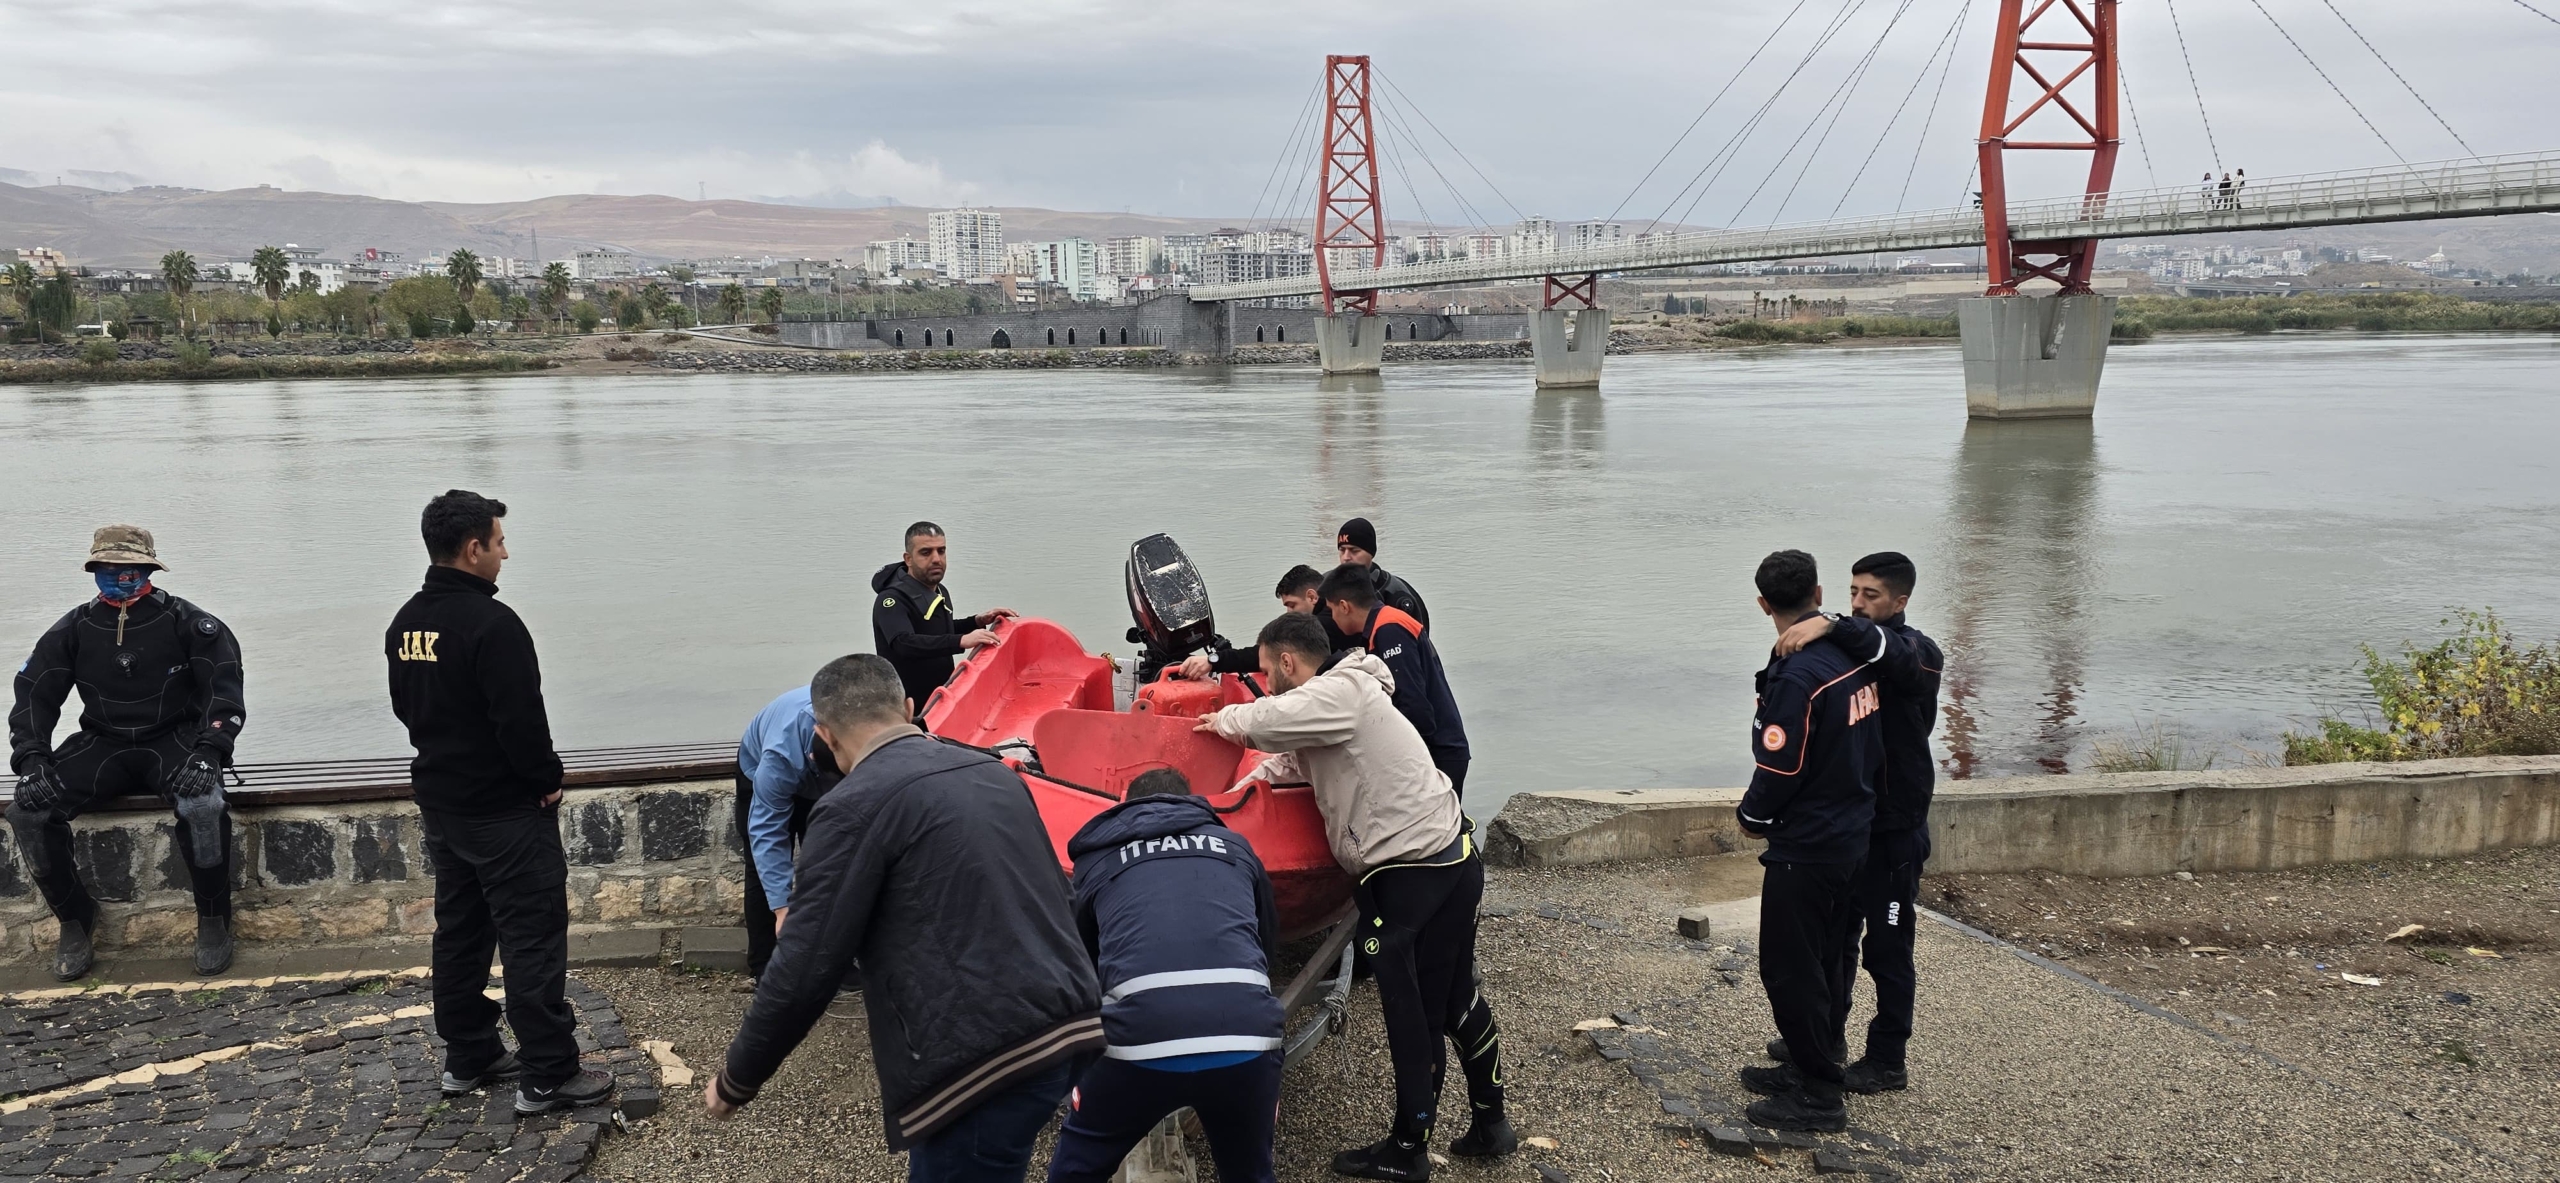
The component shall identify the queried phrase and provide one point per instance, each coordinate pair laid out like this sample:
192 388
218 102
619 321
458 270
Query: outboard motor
1170 603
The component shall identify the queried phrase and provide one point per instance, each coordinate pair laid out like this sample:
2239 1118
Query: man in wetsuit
912 621
160 708
1887 886
1357 544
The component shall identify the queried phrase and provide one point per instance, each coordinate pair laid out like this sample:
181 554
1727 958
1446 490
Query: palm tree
272 271
22 288
772 305
654 301
555 289
733 304
464 268
178 270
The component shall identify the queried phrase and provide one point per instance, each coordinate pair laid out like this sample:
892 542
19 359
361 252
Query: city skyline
1103 109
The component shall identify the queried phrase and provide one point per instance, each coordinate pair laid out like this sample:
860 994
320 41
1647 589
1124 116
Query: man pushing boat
1396 828
912 621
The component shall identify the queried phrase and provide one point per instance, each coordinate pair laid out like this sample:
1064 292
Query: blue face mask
119 583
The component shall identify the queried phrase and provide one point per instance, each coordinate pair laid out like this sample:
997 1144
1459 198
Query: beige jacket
1382 799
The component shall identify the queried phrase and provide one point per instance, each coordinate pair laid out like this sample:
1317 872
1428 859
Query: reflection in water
2020 533
1566 430
1351 428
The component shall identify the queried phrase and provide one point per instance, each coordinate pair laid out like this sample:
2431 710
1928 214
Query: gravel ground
2019 1072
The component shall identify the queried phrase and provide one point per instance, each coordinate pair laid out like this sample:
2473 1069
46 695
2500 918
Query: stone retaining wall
646 856
2108 824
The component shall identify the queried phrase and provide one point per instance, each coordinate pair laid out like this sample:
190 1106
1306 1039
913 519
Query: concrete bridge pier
2033 357
1569 361
1350 343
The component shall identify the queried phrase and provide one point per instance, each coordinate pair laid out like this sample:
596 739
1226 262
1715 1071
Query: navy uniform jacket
1178 915
1818 753
1422 686
1906 662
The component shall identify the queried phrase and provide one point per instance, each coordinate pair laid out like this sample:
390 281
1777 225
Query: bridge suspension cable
1931 119
1837 105
1724 156
1898 108
1416 108
2333 86
2537 12
1399 125
2395 74
2192 85
1288 149
1683 137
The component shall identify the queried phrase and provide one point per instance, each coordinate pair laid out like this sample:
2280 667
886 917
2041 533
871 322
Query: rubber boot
72 955
213 944
1396 1156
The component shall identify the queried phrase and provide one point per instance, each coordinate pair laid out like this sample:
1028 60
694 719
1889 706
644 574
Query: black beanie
1358 532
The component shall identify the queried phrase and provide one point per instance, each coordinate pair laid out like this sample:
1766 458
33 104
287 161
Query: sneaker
1388 1158
1869 1078
586 1088
1778 1051
1490 1137
73 955
1771 1082
1800 1110
213 944
505 1069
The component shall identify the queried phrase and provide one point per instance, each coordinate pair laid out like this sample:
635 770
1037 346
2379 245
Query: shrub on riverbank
2372 312
2475 693
1815 332
195 362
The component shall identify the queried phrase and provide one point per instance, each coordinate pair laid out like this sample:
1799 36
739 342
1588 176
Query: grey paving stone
723 949
633 947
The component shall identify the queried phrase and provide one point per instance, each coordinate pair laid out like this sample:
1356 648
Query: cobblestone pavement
333 1078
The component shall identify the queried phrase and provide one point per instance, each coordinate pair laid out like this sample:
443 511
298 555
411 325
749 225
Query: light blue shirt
773 756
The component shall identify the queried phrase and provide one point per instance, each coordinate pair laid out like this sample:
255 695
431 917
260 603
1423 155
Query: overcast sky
1186 108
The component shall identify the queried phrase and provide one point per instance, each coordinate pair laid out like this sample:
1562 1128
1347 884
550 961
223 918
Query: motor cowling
1168 600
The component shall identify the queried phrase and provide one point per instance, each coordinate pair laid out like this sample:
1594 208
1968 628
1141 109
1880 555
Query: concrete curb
2106 824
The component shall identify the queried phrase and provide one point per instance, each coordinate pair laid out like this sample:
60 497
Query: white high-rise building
1072 263
966 243
1533 235
889 256
1591 234
1131 254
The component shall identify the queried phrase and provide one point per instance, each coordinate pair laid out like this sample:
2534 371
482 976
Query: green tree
654 301
771 302
555 289
628 313
586 315
178 270
463 268
462 322
420 300
680 273
22 288
55 304
733 304
272 271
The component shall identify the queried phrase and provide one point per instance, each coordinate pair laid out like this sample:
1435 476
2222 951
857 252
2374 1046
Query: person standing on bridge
1396 828
1421 685
465 682
1178 915
1887 887
160 708
1817 752
912 621
782 771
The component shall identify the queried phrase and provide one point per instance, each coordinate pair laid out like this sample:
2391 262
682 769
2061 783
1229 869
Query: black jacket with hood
1177 912
916 628
930 867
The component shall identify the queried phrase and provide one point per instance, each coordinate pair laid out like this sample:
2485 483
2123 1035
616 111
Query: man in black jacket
1817 756
912 621
1887 887
487 782
1357 543
160 708
1422 686
930 867
1177 913
1297 593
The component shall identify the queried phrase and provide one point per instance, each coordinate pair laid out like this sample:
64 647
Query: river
2209 552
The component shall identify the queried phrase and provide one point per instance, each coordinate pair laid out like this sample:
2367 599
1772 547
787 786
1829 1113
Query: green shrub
2127 329
98 351
1854 329
194 356
462 322
2475 693
421 325
2152 747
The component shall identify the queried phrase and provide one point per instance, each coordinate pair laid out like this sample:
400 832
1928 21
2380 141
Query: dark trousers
95 768
1885 893
1806 914
759 911
1418 927
1452 762
1117 1102
992 1143
502 885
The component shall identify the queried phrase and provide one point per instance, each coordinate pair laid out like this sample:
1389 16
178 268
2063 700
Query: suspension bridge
2035 342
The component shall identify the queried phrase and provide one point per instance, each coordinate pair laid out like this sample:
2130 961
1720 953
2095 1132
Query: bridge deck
2526 183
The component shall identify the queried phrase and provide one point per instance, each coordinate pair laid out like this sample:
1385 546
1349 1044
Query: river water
2209 552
